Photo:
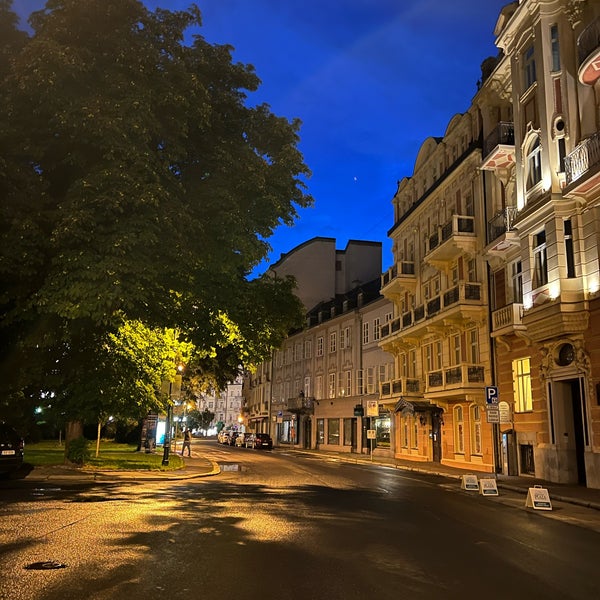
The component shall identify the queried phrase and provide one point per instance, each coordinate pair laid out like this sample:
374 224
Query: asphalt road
274 525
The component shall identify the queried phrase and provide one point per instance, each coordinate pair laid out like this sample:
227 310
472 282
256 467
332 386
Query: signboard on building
504 408
492 414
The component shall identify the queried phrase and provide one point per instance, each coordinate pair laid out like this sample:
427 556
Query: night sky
369 79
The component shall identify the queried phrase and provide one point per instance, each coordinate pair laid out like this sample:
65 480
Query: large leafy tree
137 183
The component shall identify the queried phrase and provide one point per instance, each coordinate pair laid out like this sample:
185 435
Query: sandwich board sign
538 498
488 487
469 482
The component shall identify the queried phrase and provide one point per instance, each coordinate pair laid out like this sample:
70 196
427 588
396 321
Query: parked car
240 439
223 437
232 437
11 449
262 440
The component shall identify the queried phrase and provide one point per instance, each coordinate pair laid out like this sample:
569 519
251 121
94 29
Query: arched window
476 444
459 431
534 162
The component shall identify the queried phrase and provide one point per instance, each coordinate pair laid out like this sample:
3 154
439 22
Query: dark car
262 440
11 449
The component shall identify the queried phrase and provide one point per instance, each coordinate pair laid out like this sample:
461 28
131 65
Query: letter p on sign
491 394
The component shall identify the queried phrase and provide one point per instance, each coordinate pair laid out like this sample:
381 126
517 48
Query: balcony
582 167
502 236
299 405
463 302
588 50
507 320
403 386
499 148
455 238
399 279
459 376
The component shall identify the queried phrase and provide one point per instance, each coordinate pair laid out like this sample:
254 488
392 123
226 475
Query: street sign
370 434
492 415
491 395
469 482
372 408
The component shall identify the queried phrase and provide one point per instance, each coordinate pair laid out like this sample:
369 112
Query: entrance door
570 425
307 433
436 436
354 436
578 425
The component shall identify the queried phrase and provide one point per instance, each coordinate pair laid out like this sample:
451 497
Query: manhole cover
45 565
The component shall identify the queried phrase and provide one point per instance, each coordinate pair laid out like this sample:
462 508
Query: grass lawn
111 456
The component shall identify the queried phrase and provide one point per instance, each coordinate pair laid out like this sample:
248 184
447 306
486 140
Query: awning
411 407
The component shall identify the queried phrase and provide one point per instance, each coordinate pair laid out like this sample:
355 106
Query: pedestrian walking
187 442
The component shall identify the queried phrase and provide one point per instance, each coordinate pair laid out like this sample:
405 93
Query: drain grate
45 565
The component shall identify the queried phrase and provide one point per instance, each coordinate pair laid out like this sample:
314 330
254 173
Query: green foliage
200 420
139 185
78 451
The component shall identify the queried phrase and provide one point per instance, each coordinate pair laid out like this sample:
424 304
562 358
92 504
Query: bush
78 451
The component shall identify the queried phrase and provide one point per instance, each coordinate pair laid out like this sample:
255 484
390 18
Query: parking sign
491 395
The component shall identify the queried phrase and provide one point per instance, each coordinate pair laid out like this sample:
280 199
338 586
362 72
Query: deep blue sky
369 79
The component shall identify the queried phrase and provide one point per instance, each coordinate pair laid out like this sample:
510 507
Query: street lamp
174 390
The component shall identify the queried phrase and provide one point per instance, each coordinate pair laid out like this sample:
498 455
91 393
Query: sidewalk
572 494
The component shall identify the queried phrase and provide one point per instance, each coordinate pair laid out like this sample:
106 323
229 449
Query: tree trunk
73 430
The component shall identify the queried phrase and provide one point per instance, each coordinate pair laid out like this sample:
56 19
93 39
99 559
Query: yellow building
438 283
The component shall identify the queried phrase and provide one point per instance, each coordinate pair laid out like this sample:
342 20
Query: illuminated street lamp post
174 389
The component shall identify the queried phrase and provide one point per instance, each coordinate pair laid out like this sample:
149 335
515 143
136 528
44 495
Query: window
455 358
332 341
370 380
476 446
320 346
332 385
359 382
522 385
346 383
473 337
376 330
415 433
348 428
403 364
459 431
319 387
412 363
365 333
307 389
529 67
540 261
333 432
534 163
569 251
517 282
472 270
308 349
320 431
297 352
405 433
555 46
345 337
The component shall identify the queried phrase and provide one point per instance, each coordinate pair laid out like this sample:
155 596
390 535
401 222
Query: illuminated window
332 385
365 333
459 431
540 260
522 385
333 431
332 341
534 163
476 430
320 346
